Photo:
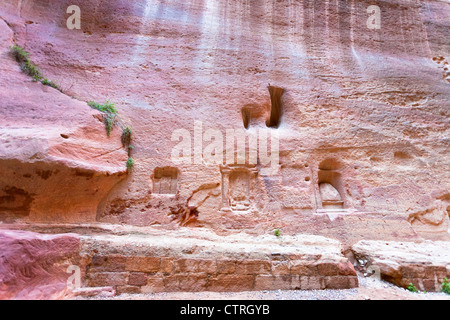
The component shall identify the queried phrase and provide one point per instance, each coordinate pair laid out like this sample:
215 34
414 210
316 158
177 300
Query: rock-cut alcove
330 186
237 185
165 181
276 111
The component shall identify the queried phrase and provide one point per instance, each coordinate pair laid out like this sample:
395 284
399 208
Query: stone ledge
424 264
136 267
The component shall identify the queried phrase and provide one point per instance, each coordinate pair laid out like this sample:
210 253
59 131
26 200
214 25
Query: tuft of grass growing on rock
28 67
412 288
110 120
127 136
23 58
130 163
277 233
445 286
49 83
108 107
20 53
109 114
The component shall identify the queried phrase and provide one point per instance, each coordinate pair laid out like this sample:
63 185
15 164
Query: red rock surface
425 264
364 127
154 262
372 100
33 266
56 159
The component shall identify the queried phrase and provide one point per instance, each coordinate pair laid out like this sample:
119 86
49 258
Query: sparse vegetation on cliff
111 119
108 107
28 67
109 114
49 83
130 163
446 286
277 233
127 137
412 288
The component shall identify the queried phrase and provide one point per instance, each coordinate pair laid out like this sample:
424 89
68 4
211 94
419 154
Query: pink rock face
56 158
33 266
364 110
352 99
424 264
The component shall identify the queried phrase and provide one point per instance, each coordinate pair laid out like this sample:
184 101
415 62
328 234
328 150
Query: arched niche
237 184
330 186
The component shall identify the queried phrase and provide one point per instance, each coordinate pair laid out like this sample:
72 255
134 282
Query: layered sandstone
164 263
361 114
56 159
33 266
373 102
38 266
424 264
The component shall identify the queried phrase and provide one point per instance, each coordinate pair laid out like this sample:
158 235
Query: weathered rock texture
372 103
33 266
362 116
56 160
423 264
155 263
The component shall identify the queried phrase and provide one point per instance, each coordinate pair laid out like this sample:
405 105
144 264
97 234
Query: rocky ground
363 160
124 262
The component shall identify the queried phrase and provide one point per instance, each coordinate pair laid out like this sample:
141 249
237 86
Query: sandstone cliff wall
365 110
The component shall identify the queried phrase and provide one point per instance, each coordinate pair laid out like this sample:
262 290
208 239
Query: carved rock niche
331 199
330 186
237 185
165 181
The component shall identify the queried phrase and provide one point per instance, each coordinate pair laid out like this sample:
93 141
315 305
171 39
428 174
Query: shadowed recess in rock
276 93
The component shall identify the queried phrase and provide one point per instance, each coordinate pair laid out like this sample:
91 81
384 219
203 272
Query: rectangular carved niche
237 183
330 190
165 181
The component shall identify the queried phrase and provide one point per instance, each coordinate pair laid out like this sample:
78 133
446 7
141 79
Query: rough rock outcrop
56 160
158 262
34 266
371 102
354 117
424 264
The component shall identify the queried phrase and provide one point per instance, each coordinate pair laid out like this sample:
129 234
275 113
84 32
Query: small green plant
108 107
49 83
22 57
110 120
109 111
19 53
445 286
130 163
127 136
277 233
32 70
412 288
